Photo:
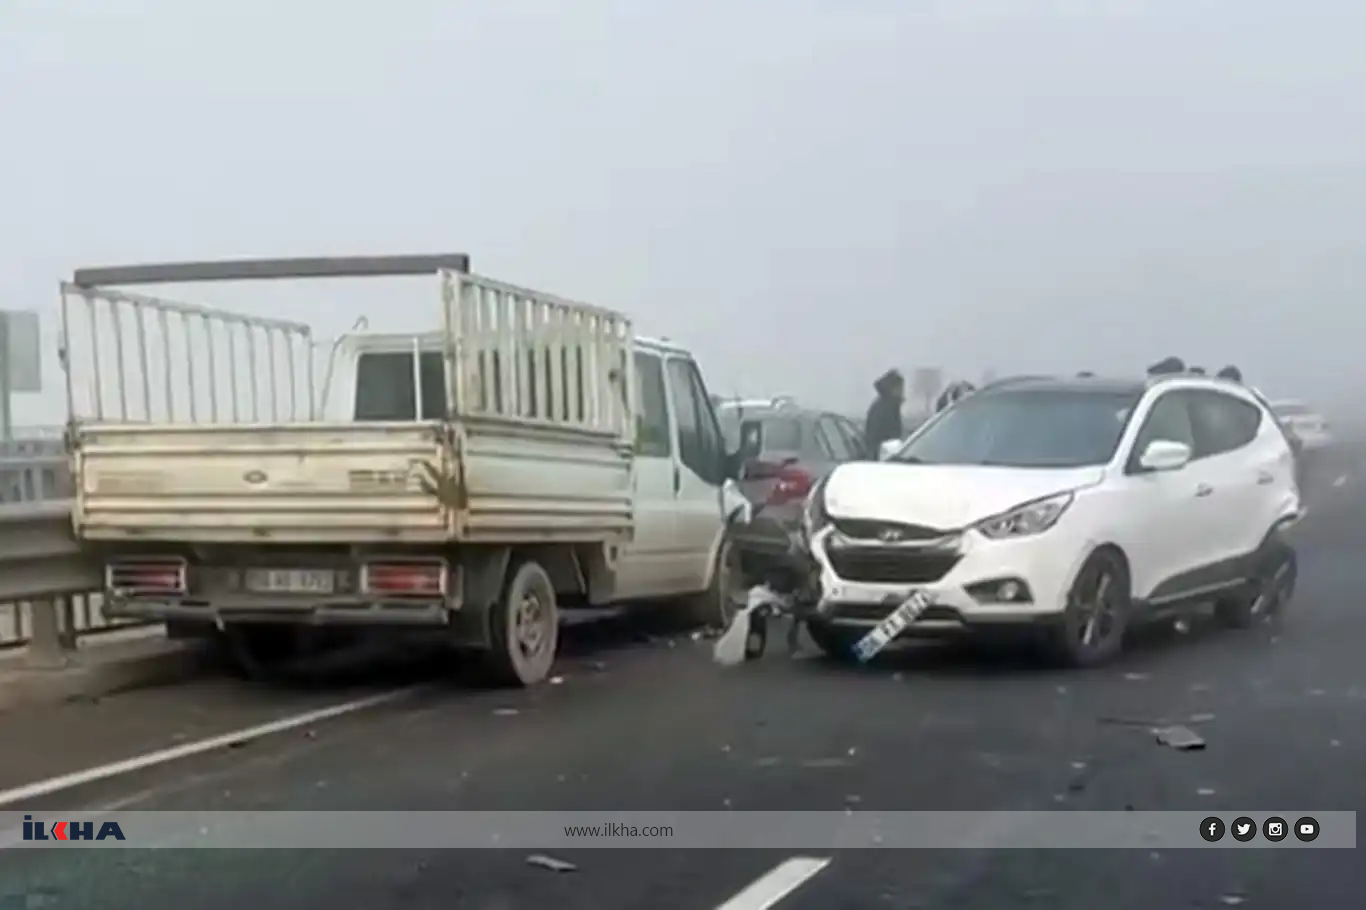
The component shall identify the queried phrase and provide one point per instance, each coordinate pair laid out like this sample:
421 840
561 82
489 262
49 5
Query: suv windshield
1026 428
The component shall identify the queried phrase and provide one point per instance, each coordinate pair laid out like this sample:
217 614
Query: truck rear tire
524 628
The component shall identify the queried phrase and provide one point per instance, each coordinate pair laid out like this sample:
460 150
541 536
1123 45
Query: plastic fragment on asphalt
1134 722
1231 900
556 680
506 712
551 863
729 650
1205 791
1178 737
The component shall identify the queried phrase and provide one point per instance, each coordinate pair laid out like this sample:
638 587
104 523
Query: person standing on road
884 415
955 392
1167 367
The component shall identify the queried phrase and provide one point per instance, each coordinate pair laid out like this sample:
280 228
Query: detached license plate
887 630
290 581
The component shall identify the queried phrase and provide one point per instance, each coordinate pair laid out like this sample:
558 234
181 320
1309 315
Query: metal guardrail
47 585
48 589
33 469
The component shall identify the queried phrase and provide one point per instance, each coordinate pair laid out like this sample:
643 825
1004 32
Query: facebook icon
1212 829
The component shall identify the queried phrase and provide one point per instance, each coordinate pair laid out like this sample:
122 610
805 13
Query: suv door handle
1265 477
1204 490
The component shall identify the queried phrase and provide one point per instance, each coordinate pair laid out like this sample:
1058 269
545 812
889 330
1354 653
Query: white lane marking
776 884
198 747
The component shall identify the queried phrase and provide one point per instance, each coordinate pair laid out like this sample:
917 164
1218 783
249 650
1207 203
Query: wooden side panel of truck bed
483 482
351 482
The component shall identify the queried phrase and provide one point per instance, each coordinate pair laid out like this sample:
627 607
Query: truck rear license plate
290 581
887 630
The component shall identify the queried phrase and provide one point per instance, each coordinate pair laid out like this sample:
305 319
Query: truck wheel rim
530 625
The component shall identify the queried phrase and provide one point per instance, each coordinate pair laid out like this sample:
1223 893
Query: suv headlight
1023 520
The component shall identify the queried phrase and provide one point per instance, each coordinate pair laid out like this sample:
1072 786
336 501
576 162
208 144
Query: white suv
1079 506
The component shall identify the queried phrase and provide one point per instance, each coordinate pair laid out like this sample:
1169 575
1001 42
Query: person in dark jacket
1167 367
884 416
951 395
1231 373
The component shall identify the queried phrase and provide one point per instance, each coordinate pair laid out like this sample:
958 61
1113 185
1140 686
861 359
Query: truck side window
384 386
652 416
699 435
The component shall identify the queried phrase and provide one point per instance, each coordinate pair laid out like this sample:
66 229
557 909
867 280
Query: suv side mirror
1164 455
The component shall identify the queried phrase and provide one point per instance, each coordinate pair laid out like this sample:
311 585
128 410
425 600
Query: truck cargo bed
348 483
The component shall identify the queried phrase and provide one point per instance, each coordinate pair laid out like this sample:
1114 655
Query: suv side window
1169 419
834 439
652 416
700 446
853 437
1222 423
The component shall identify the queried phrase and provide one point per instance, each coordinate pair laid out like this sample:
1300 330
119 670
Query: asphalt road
642 725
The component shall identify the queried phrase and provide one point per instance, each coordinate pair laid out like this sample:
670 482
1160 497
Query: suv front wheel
1091 631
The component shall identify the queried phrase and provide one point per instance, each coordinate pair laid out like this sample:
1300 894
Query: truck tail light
418 578
152 575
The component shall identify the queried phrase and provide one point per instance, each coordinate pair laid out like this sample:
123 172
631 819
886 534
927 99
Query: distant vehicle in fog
1309 426
795 447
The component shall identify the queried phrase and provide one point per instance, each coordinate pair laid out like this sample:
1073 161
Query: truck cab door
699 472
653 564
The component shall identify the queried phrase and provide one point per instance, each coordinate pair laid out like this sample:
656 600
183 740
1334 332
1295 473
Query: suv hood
947 497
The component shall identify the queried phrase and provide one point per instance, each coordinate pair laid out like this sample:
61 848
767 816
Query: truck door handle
1204 490
1265 477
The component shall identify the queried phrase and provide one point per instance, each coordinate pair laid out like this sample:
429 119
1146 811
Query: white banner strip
800 831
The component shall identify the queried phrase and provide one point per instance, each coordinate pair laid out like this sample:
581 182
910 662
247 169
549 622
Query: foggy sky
1022 186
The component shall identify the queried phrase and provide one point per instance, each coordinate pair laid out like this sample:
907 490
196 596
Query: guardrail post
45 646
67 629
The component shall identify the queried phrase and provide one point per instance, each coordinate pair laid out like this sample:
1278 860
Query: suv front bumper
972 582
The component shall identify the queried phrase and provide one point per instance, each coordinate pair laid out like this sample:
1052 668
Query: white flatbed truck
530 455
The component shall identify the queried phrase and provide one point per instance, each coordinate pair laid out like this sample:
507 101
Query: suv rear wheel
1274 573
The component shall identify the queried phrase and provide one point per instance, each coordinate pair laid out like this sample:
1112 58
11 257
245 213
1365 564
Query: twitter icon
1244 829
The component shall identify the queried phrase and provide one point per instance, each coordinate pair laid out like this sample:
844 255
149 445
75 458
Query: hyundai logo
889 535
255 477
